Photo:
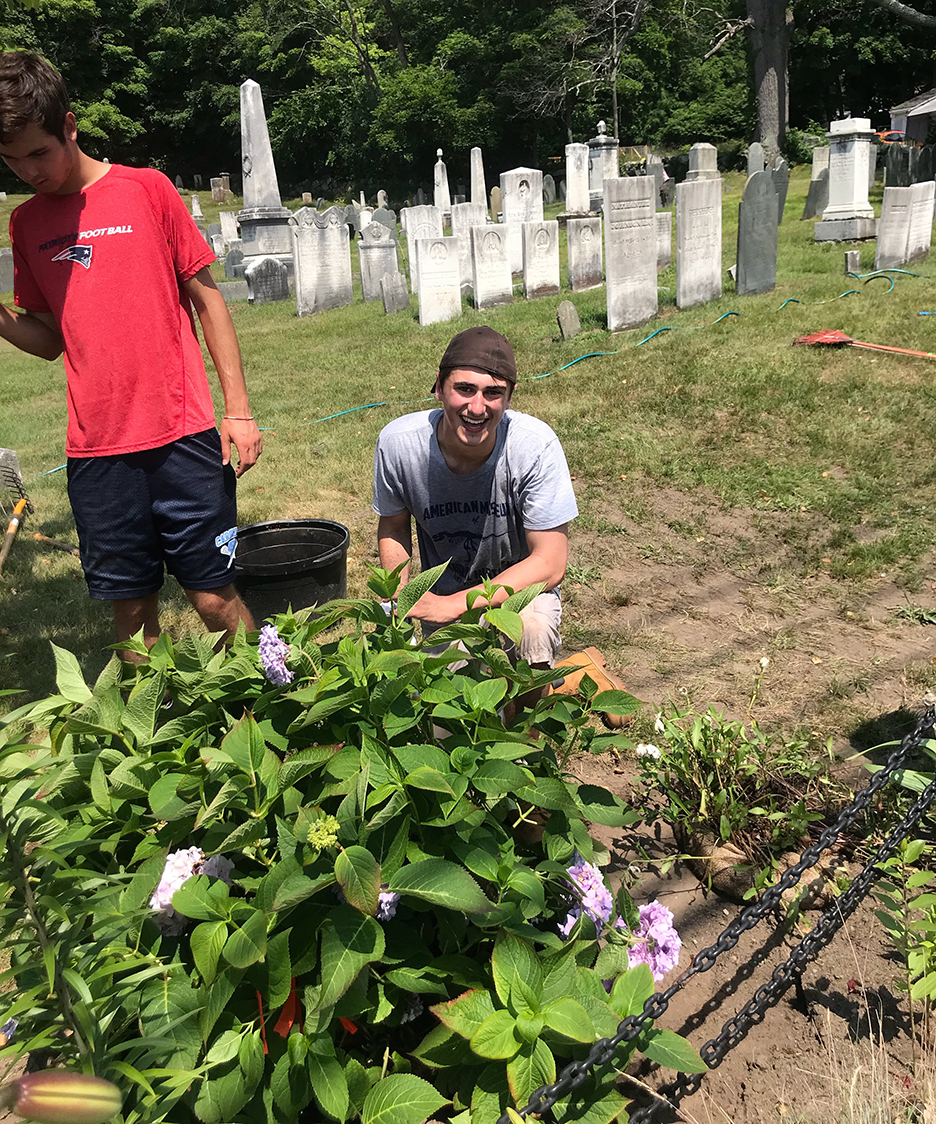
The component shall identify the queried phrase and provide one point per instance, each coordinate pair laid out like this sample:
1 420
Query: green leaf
515 960
532 1067
612 961
391 662
329 1083
616 702
290 1086
279 969
206 941
602 806
414 589
466 1012
250 1058
350 941
569 1018
495 1037
443 883
203 899
507 622
496 777
401 1098
668 1048
221 1095
358 875
429 780
248 943
297 888
582 1109
518 601
68 677
632 990
244 745
142 709
487 695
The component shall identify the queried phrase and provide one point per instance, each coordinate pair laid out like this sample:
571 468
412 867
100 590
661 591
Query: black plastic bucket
298 562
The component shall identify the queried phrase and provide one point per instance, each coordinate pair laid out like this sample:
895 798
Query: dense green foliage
363 93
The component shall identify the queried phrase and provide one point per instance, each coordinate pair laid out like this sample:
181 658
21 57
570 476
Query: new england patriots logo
80 254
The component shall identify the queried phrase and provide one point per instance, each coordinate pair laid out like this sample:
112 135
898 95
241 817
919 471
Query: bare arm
395 543
221 341
34 332
546 562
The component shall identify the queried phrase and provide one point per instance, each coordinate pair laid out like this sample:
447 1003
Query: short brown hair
31 89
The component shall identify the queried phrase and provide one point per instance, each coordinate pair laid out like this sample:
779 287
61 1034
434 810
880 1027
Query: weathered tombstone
913 165
562 190
322 254
758 218
817 198
267 280
234 263
549 189
668 191
376 255
893 229
568 319
234 291
439 284
490 265
228 226
540 259
901 165
178 182
497 204
6 269
522 194
197 181
852 262
307 198
459 197
303 217
578 200
703 163
365 217
356 204
196 208
664 228
698 242
926 167
320 204
756 161
387 217
421 222
849 216
420 197
655 168
584 261
362 200
217 190
478 190
464 217
780 174
264 221
214 229
604 163
350 214
395 293
382 200
630 251
922 198
226 186
440 186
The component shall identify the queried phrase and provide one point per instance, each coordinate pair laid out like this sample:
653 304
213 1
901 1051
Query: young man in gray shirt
489 490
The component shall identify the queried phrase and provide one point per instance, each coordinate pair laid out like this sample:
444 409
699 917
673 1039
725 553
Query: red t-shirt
108 262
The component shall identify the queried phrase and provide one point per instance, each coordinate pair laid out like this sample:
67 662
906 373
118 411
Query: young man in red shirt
108 266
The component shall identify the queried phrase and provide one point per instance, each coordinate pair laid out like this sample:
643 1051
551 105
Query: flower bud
60 1096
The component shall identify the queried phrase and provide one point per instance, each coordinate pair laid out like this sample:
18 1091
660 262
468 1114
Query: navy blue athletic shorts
137 512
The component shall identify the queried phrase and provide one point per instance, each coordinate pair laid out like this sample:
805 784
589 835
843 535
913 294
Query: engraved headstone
549 189
497 204
440 186
377 255
817 198
228 226
522 194
464 217
439 284
322 254
758 217
664 228
267 280
540 259
421 222
630 251
698 242
578 200
303 217
196 208
234 263
568 319
6 269
217 190
584 258
781 181
893 229
756 161
394 293
703 163
387 217
478 190
490 265
849 216
920 238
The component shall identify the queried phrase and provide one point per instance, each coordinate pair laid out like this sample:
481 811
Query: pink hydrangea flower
655 941
180 867
595 897
273 652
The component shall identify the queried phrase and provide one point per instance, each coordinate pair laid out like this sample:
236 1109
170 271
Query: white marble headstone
630 251
521 201
540 259
698 242
419 222
439 288
584 253
490 265
322 256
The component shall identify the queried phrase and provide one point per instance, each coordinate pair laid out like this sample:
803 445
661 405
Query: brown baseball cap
482 348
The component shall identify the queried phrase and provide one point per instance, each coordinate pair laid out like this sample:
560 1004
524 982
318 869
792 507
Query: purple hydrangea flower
656 942
273 653
386 907
179 868
595 897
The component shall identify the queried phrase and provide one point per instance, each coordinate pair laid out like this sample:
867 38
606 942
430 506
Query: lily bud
60 1096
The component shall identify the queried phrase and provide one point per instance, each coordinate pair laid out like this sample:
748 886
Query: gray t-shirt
477 520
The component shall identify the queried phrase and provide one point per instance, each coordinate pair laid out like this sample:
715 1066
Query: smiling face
43 161
473 403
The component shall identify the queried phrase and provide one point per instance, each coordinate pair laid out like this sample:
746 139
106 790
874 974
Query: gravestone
197 181
478 189
196 208
698 242
703 163
267 280
540 259
439 284
217 190
604 163
849 216
913 164
578 200
234 291
394 293
655 168
441 196
568 319
264 221
926 168
459 198
922 197
522 195
387 217
322 254
420 197
362 199
630 251
497 205
584 258
562 190
664 228
382 201
234 263
377 255
356 204
365 218
758 218
549 189
490 265
226 185
817 199
216 242
178 182
756 161
320 204
780 174
303 217
307 198
421 222
228 226
901 165
213 229
351 217
893 229
852 262
464 217
6 269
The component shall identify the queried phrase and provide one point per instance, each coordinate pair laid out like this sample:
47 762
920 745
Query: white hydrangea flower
648 751
179 868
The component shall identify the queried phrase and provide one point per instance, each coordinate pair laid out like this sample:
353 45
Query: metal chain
633 1026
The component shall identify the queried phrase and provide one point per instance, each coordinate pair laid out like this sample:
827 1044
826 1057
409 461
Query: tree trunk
397 32
770 28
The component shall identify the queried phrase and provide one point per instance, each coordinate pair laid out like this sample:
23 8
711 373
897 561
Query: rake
11 481
831 337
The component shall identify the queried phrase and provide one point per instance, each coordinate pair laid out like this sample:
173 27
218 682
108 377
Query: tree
906 13
770 24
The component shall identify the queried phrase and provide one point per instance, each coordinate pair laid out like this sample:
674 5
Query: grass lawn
739 497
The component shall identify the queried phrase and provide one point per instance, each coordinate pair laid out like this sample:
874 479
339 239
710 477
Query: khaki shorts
540 642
